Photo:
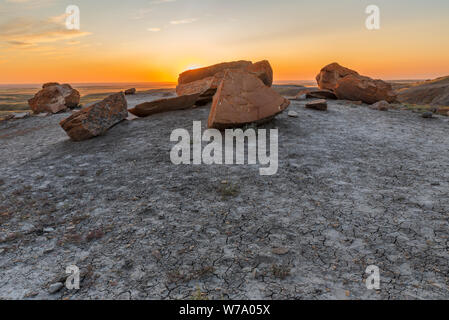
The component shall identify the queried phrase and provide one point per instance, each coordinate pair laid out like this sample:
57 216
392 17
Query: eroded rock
54 98
243 98
96 119
320 105
164 105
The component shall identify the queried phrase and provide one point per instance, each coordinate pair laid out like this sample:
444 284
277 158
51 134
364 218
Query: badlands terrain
355 187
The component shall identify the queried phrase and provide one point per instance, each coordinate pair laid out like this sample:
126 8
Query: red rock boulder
54 98
96 119
263 71
359 88
201 73
208 79
243 98
164 105
328 77
348 84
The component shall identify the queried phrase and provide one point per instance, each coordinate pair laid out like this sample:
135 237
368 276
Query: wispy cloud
154 29
30 32
184 21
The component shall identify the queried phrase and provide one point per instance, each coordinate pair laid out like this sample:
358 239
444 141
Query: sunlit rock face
54 98
243 98
96 119
348 84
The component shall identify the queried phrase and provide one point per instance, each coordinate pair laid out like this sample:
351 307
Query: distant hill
433 92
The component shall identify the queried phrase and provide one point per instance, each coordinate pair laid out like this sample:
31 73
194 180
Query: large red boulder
263 71
328 77
164 105
201 73
243 98
54 98
359 88
208 79
96 119
348 84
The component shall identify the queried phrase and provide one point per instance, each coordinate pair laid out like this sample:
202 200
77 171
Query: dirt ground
355 187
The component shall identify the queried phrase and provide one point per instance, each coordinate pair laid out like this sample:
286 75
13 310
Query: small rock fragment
55 287
427 115
293 114
320 105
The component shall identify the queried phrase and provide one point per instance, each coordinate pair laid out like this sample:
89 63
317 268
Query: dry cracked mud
355 187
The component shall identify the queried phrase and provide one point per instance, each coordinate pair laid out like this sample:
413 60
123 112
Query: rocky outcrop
206 72
243 98
130 91
348 84
96 119
320 105
208 79
54 98
433 92
367 90
328 77
263 71
164 105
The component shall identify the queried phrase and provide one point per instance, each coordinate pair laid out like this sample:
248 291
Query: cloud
184 21
30 32
154 29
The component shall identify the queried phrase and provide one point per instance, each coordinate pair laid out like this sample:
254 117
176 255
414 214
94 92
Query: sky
155 40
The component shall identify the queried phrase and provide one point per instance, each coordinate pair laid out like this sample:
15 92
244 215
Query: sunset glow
156 40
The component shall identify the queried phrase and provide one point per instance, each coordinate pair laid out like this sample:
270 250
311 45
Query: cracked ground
355 187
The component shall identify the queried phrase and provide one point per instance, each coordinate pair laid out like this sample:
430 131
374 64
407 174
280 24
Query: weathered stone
381 106
347 84
54 98
242 98
55 287
427 115
201 73
130 91
293 114
164 105
321 94
263 71
317 105
207 87
328 77
356 87
96 119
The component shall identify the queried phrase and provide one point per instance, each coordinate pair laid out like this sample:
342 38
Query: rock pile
54 98
96 119
347 84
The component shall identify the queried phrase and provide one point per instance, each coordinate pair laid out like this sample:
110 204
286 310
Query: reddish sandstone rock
347 84
198 74
96 119
356 87
54 98
208 79
320 105
164 105
242 98
328 77
321 94
263 71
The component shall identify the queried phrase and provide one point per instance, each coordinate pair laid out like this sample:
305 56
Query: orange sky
146 41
